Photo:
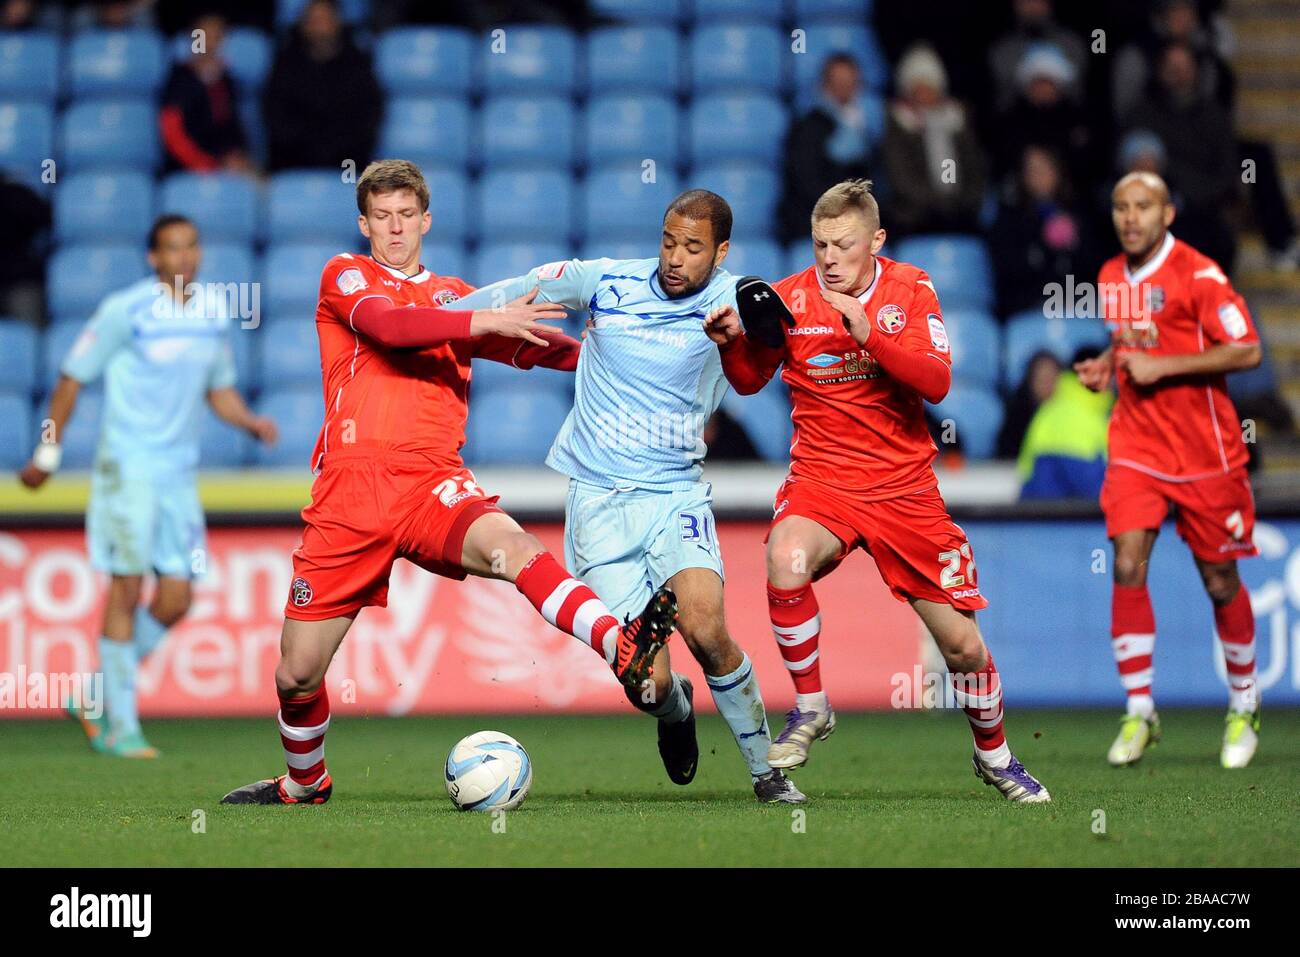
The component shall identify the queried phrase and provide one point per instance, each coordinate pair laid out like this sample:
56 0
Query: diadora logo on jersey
552 270
891 319
350 281
300 592
444 296
938 334
810 331
823 360
1234 323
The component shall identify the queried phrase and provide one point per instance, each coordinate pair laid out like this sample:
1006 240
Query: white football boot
1136 734
1240 738
802 728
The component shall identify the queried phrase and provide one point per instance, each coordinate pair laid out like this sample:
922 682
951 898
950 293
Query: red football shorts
1214 516
920 551
368 509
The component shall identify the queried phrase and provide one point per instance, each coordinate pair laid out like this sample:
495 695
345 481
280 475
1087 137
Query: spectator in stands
1034 390
1041 235
22 263
113 14
17 15
201 130
830 143
1043 114
1202 164
322 102
932 160
1034 24
1064 454
1173 21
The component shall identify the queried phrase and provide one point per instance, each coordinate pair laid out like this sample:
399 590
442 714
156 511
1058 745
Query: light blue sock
117 660
146 633
676 708
741 704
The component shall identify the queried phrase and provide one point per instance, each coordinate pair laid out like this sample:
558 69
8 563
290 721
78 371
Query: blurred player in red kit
866 347
1177 326
390 480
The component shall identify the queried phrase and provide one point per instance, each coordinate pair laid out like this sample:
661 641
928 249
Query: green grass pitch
887 789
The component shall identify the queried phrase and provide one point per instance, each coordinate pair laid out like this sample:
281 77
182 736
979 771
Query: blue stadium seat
976 346
81 434
1028 332
290 352
514 427
299 413
752 190
766 11
222 446
248 365
312 206
525 204
639 127
977 413
495 261
755 257
765 417
228 262
444 259
657 11
354 12
78 276
250 114
29 66
619 206
56 341
536 59
740 126
18 357
643 59
798 256
248 53
424 60
115 63
959 267
433 128
598 248
747 57
103 207
26 138
17 429
822 38
291 284
449 201
109 134
832 9
519 129
224 206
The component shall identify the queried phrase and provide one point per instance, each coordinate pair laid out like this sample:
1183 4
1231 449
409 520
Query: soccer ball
488 771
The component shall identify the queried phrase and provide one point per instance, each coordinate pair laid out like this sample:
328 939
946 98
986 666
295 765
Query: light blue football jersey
158 361
648 376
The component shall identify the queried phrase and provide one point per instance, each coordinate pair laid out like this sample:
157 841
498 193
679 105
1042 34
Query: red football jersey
1180 302
854 426
408 400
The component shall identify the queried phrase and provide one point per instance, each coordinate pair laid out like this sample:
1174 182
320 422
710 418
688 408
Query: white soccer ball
488 771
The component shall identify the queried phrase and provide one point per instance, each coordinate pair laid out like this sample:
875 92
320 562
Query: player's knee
1221 583
169 612
124 592
297 677
515 552
1130 570
963 649
708 640
788 565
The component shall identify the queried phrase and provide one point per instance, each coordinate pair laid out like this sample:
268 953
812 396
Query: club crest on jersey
938 334
300 592
891 319
823 360
350 281
444 296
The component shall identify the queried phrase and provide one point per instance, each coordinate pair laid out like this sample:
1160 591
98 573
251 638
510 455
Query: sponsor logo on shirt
938 334
810 331
1234 323
300 592
552 270
823 360
891 319
847 368
350 281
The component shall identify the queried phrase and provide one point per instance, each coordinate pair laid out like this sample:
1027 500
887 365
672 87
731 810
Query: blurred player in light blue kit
638 514
162 346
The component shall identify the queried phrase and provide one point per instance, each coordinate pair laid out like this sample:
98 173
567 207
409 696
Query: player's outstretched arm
919 370
405 327
747 365
230 407
48 454
1145 369
520 318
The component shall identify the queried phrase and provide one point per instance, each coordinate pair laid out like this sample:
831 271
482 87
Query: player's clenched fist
723 325
520 319
855 317
1095 373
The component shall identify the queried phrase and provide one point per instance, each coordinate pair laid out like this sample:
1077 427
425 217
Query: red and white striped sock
797 625
568 604
979 693
303 723
1236 626
1133 640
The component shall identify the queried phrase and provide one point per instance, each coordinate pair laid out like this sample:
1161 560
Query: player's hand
264 430
1142 368
1095 374
519 319
723 325
855 316
32 477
